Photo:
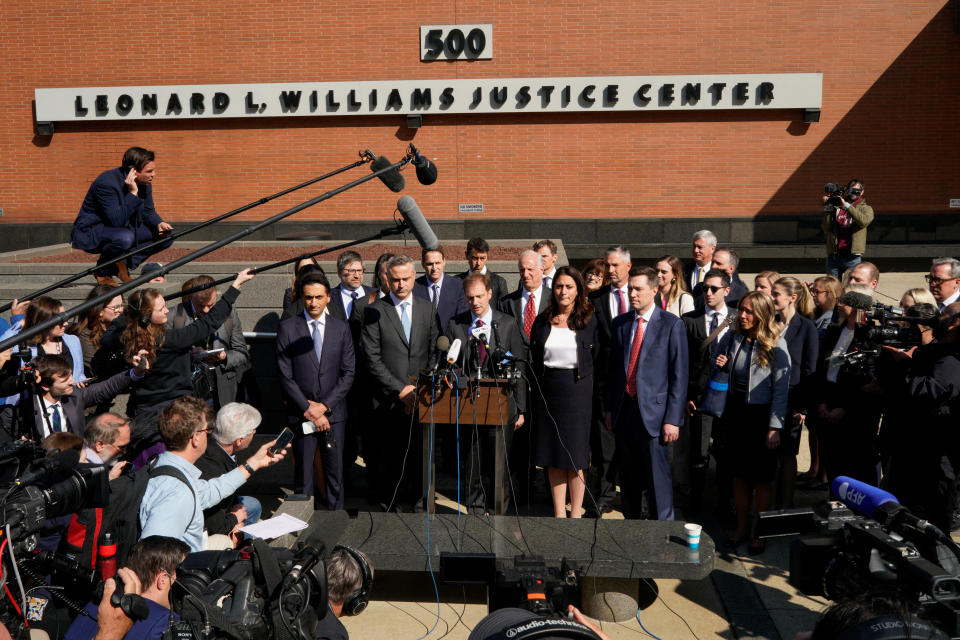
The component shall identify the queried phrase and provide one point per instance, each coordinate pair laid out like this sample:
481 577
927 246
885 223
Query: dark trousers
398 458
603 446
330 446
644 464
478 458
115 241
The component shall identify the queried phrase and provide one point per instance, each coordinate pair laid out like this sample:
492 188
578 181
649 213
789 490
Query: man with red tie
526 303
610 302
645 395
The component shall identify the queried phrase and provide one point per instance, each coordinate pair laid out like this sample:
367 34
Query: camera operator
848 414
152 564
923 384
845 220
872 616
349 579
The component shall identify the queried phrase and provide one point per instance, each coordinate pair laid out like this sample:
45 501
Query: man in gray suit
228 365
399 334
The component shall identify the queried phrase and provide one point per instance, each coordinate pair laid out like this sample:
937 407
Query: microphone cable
506 460
433 577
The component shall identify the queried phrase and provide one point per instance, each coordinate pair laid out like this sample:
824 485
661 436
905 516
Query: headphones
133 304
894 628
357 601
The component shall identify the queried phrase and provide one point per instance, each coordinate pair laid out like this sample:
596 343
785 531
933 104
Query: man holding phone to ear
118 215
316 362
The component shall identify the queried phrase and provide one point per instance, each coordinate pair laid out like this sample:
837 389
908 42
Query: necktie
621 304
482 347
405 320
353 298
714 323
436 296
57 420
529 313
317 339
634 359
700 272
546 281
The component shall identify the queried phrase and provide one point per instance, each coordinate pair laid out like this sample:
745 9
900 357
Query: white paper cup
693 534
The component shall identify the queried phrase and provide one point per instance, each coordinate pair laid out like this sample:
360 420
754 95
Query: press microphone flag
417 223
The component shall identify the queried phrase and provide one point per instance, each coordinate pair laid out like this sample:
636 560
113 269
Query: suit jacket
737 290
393 363
336 307
688 275
701 365
803 344
765 384
452 301
228 336
214 463
497 284
587 347
662 370
303 378
109 203
74 405
504 334
512 305
601 303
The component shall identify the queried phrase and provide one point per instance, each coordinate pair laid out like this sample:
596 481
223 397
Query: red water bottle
107 556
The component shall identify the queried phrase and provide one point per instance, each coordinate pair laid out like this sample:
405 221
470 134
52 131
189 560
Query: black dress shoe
298 497
757 547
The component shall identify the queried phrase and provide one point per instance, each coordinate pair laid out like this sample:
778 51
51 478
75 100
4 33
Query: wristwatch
248 468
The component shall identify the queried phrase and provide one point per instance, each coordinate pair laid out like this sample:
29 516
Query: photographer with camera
923 384
349 580
846 216
153 564
847 415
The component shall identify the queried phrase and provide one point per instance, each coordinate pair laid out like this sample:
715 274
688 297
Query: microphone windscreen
443 343
417 223
392 179
860 496
454 352
426 171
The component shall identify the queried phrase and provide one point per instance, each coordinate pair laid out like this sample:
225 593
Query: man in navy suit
118 215
444 292
315 359
645 396
477 252
351 287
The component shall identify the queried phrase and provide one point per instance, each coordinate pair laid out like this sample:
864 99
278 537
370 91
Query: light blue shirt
165 510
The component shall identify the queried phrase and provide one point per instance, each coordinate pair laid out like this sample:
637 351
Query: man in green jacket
845 227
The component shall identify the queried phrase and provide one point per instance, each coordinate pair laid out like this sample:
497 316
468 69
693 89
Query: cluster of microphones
412 216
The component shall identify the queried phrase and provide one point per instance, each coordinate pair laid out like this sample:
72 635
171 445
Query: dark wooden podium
483 402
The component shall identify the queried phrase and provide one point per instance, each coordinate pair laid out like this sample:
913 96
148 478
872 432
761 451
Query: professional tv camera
885 550
34 490
882 325
254 593
835 193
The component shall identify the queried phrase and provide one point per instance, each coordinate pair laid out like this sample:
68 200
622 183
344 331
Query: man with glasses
944 281
105 441
351 287
174 499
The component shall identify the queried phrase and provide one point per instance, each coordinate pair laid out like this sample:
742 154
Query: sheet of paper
275 527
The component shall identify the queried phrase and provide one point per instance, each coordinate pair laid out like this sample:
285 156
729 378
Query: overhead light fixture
811 115
414 121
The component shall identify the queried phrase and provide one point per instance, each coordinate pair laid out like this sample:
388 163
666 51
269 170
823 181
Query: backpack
121 516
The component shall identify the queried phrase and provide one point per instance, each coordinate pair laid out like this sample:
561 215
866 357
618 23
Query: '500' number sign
456 42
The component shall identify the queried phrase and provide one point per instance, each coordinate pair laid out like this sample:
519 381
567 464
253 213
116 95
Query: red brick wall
889 111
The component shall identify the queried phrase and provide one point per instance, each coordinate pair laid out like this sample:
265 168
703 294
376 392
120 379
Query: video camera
894 553
251 593
881 325
836 193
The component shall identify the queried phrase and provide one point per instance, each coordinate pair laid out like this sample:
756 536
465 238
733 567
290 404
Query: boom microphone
880 505
392 179
417 223
426 170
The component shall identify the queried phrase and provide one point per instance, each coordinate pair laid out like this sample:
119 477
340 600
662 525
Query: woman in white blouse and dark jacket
758 364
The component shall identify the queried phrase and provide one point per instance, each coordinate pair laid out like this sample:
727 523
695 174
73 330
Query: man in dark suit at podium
444 292
486 337
477 253
316 363
399 334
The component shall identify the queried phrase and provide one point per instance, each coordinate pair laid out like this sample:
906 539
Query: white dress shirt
320 324
721 316
614 303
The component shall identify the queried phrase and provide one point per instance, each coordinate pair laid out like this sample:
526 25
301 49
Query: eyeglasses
117 308
933 280
817 292
204 430
354 272
594 276
712 288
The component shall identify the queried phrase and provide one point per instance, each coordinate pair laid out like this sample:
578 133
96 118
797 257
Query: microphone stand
62 317
364 158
